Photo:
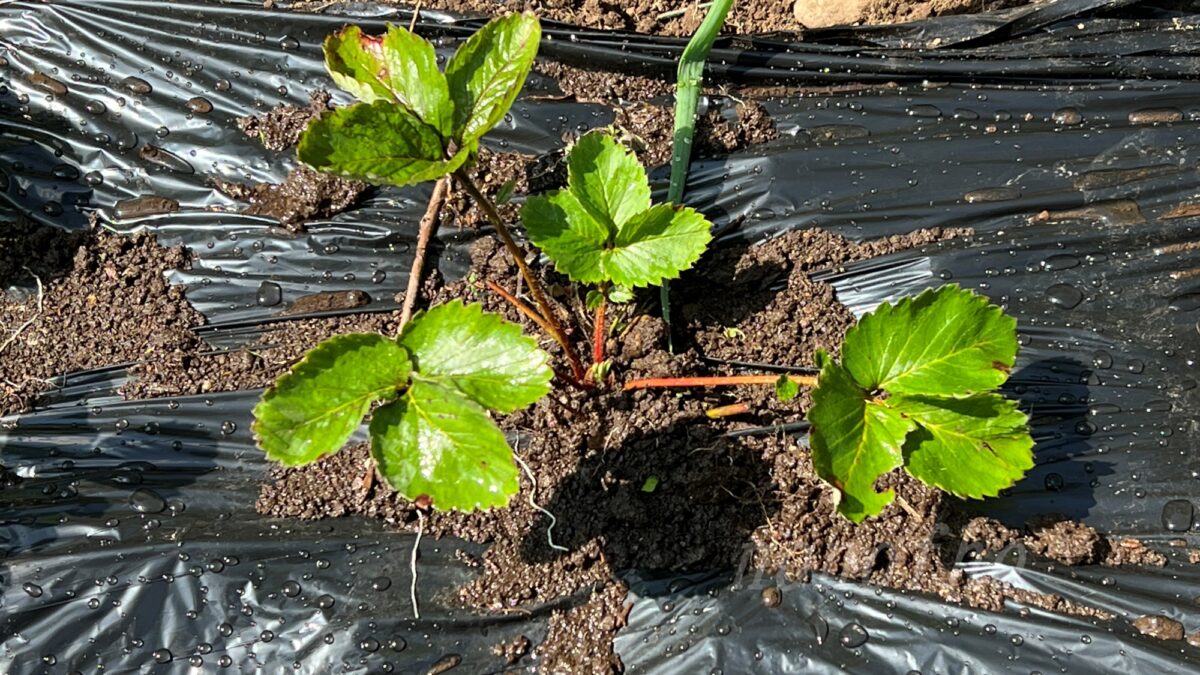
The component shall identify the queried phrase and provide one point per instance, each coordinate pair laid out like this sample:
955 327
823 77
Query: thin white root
40 297
412 565
553 520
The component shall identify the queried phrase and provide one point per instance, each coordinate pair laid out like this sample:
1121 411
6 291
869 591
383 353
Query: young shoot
604 231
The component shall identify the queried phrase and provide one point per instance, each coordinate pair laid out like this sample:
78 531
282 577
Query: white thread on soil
412 565
553 520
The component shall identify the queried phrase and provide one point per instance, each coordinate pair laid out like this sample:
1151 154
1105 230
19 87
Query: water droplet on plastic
1066 116
325 601
137 85
1060 262
162 655
291 588
991 194
381 583
820 627
369 645
144 500
853 636
199 105
31 589
1064 295
269 294
1177 515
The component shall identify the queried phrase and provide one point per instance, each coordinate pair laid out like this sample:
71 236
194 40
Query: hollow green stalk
687 98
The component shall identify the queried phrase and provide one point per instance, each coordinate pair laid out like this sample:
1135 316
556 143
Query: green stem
687 98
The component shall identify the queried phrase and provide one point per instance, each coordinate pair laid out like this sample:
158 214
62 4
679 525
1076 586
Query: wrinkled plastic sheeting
829 625
132 525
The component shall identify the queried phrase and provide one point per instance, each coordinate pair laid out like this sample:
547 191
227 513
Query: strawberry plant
414 123
432 438
603 230
915 389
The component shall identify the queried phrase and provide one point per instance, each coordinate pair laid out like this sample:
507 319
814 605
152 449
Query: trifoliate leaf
377 142
397 66
786 388
487 72
607 180
313 409
970 447
478 354
854 441
944 342
437 442
651 246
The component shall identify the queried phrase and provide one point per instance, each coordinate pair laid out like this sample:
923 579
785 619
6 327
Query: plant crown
432 436
915 389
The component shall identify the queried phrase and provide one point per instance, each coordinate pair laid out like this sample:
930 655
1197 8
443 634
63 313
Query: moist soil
726 488
673 18
723 489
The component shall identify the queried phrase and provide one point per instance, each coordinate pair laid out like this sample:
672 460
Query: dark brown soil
717 497
104 302
649 130
304 195
280 127
668 17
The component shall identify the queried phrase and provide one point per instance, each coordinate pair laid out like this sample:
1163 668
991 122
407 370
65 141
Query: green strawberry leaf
398 66
653 245
487 72
854 441
478 354
435 441
379 143
970 447
313 409
944 342
607 180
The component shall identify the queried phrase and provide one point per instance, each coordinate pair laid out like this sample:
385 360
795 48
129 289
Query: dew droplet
1064 295
1177 515
852 636
269 294
144 500
199 105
